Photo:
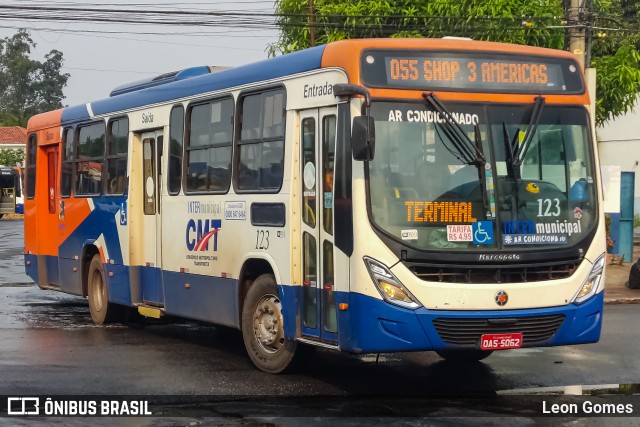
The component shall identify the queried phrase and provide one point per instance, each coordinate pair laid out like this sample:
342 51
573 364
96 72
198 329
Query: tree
28 86
535 23
11 157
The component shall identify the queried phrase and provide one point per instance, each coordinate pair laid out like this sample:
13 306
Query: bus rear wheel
263 327
102 311
464 355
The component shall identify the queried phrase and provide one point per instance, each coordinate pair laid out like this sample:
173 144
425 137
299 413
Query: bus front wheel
464 355
263 327
102 311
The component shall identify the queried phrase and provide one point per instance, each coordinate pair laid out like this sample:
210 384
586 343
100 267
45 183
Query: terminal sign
473 72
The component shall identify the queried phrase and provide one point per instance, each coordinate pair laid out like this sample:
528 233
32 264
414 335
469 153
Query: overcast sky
102 56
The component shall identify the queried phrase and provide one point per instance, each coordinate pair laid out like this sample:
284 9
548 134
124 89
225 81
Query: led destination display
471 72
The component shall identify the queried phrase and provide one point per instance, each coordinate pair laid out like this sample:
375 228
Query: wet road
11 252
50 346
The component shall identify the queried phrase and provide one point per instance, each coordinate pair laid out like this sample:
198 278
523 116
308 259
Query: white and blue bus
364 195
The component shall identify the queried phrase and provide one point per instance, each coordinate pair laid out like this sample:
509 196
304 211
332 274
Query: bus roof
298 62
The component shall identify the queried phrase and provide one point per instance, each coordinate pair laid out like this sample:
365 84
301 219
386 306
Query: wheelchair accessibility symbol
482 232
123 213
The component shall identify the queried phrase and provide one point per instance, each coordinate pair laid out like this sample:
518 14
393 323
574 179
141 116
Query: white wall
619 145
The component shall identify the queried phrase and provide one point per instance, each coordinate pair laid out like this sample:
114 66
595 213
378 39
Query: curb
623 300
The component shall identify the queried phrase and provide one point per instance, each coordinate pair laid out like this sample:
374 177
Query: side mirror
363 138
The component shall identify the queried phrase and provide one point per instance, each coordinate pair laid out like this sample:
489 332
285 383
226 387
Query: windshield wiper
471 154
516 152
510 146
519 152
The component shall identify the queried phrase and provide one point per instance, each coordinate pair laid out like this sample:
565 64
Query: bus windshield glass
533 188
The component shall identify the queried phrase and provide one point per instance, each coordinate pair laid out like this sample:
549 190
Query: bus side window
176 142
208 148
32 149
89 159
117 148
261 144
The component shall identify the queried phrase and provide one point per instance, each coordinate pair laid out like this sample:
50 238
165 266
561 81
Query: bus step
147 311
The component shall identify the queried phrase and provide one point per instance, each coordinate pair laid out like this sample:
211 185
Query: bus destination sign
470 72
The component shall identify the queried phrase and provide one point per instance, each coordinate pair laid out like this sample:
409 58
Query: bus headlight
389 286
591 285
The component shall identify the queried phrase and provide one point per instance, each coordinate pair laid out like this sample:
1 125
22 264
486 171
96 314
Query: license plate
500 341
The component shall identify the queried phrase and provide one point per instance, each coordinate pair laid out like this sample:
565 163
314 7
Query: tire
263 327
102 311
464 355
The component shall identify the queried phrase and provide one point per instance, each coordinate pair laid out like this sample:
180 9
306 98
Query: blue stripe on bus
31 266
368 325
207 298
378 326
293 63
119 287
101 221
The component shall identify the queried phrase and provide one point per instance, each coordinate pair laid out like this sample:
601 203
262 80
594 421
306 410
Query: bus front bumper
372 325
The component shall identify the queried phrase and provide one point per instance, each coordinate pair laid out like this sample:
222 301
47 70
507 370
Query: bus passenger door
317 142
152 290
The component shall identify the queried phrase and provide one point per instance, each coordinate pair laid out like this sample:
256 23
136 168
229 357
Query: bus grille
494 274
468 331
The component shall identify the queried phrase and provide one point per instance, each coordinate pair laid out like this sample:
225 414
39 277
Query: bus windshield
534 190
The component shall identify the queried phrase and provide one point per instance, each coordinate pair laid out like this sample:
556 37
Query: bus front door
319 283
152 290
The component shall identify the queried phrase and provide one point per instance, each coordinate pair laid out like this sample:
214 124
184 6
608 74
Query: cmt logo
200 232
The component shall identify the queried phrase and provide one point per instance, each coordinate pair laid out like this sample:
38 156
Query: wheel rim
98 286
267 324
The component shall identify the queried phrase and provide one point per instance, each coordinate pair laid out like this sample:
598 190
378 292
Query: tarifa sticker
409 234
459 233
451 212
532 187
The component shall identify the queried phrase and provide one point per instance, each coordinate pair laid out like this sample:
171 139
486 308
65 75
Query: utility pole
312 26
577 31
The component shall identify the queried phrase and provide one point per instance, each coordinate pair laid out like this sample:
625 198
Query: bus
367 196
11 200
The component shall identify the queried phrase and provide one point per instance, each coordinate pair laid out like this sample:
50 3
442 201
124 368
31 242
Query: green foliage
615 53
28 86
618 82
511 21
11 157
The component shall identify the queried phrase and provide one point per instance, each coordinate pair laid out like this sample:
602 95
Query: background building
12 138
